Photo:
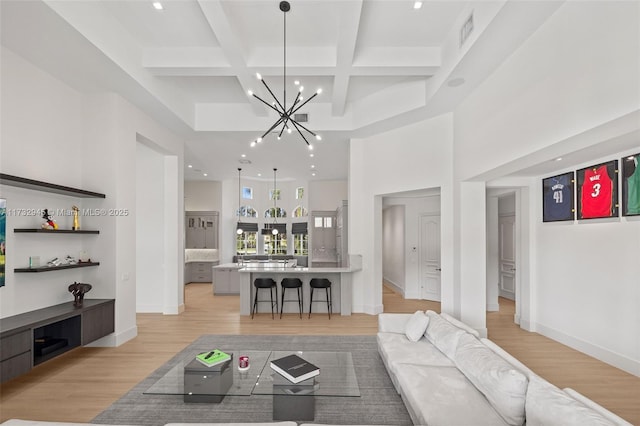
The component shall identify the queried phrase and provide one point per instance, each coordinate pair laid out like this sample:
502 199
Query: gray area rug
378 404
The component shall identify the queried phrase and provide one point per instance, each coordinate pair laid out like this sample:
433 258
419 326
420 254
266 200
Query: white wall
149 229
587 282
327 194
542 103
393 245
413 157
203 196
85 141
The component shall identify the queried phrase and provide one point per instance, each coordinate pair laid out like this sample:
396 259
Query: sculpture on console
78 290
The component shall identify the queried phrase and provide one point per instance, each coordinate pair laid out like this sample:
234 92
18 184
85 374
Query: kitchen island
340 278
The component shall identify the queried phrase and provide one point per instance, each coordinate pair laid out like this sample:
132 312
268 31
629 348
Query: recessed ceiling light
157 5
311 155
189 166
417 5
259 174
243 155
313 174
313 166
559 159
204 174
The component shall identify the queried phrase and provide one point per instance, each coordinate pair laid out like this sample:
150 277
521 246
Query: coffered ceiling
380 64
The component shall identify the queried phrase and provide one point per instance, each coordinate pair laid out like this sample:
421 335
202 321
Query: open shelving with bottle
24 219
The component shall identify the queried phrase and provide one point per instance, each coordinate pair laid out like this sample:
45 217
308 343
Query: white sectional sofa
448 376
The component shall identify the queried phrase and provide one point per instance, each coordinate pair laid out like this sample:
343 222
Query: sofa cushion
443 396
548 405
460 324
396 349
507 357
595 406
416 326
443 334
501 383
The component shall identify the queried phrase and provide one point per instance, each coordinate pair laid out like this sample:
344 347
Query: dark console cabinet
34 337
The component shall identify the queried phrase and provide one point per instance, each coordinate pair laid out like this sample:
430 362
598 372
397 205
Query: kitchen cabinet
226 279
201 230
199 272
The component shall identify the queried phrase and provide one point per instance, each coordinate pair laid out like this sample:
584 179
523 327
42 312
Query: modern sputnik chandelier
274 231
239 229
286 115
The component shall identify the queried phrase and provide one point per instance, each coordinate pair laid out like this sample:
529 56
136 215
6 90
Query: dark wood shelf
56 268
55 231
47 187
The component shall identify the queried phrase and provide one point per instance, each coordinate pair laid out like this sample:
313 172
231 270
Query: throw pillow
416 326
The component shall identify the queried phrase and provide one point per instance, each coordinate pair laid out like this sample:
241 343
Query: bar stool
291 283
269 283
321 283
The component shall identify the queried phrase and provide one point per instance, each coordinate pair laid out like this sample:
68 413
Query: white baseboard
605 355
395 287
367 309
412 295
493 307
114 339
172 310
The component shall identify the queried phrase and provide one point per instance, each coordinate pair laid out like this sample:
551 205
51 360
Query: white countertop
200 255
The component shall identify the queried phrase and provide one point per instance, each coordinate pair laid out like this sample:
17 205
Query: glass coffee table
197 383
292 401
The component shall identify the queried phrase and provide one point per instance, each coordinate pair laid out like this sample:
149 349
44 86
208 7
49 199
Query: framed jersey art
631 185
557 198
598 191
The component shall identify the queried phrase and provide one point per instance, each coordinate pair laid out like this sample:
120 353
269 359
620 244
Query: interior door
507 256
430 271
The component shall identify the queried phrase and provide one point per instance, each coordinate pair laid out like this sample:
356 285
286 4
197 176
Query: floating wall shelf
47 187
55 231
56 268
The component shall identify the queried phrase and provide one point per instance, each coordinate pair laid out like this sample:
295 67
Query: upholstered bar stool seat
291 283
320 283
265 283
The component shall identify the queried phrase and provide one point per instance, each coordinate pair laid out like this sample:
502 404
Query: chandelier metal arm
304 103
272 95
293 121
280 120
298 129
267 104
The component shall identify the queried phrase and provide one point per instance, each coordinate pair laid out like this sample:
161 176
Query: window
299 193
247 243
300 212
323 222
247 193
301 244
247 211
275 244
274 194
275 212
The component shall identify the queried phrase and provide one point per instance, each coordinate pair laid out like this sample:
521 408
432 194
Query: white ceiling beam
346 47
219 22
228 71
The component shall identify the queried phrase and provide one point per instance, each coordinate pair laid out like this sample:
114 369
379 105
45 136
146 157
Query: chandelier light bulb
301 98
258 76
318 137
253 143
259 140
296 82
289 130
319 91
239 231
310 147
279 137
274 231
301 89
250 92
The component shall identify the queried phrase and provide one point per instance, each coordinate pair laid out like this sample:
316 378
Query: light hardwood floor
80 384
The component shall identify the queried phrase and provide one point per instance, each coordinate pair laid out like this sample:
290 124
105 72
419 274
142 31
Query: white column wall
413 157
